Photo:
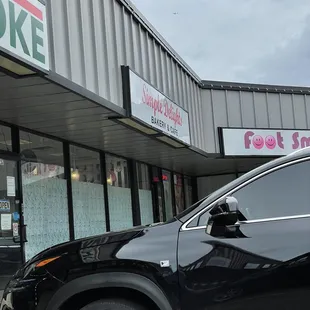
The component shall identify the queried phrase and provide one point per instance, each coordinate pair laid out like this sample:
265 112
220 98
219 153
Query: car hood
80 244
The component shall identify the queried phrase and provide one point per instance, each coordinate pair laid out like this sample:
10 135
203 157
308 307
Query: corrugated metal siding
225 108
90 40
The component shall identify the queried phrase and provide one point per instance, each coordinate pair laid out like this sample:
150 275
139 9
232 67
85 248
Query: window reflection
145 194
120 205
117 172
87 193
179 193
166 176
44 192
5 138
158 194
188 190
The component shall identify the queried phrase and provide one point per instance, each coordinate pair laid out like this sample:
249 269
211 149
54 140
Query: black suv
246 246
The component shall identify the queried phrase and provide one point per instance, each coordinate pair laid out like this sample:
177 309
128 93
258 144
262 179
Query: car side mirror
224 217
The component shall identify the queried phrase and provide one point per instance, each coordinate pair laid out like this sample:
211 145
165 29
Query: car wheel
113 304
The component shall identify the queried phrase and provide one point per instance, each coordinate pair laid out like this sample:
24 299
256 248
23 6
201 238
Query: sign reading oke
23 31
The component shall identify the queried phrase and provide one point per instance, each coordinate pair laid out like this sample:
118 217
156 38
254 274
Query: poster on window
6 221
10 183
5 206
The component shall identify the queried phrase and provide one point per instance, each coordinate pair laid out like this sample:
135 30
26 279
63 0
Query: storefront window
188 190
44 192
5 138
179 193
157 187
87 193
168 194
145 194
120 205
9 221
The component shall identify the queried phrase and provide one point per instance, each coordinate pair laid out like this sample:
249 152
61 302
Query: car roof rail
305 150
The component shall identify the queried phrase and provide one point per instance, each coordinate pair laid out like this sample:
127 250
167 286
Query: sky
251 41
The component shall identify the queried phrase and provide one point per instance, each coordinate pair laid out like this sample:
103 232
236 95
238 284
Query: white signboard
156 110
23 31
263 142
10 184
6 221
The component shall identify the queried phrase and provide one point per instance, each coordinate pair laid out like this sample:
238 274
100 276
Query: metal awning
60 108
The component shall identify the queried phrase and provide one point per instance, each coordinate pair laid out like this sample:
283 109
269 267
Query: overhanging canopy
60 108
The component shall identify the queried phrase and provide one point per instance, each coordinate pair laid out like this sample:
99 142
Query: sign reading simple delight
156 110
23 31
263 142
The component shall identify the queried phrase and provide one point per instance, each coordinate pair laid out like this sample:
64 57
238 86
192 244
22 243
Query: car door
267 264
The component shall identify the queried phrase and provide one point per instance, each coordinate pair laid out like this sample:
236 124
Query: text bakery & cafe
262 142
150 107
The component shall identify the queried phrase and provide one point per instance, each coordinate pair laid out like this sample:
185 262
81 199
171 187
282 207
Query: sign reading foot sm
23 31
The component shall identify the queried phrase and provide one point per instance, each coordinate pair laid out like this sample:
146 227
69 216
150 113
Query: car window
284 192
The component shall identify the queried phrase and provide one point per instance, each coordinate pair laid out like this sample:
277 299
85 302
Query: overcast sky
258 41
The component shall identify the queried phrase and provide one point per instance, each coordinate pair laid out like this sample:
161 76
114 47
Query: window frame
240 186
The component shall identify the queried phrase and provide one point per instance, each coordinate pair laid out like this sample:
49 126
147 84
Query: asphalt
1 293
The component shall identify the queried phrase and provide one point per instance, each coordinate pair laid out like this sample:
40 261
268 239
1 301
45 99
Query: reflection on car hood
77 245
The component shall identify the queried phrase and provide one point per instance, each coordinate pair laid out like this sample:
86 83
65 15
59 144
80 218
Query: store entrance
10 243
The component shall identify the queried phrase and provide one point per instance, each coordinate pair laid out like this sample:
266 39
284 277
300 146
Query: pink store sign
263 142
156 110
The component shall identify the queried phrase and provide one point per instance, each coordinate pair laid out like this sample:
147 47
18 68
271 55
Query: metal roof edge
208 84
224 85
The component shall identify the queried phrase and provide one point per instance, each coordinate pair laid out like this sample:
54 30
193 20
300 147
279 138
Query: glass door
10 244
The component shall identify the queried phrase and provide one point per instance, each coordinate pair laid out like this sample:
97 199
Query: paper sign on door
10 183
15 230
6 221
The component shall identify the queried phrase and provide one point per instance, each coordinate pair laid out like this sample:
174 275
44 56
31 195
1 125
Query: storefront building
247 125
104 127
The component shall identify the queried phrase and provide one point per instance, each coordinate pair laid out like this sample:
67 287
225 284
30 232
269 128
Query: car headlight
38 265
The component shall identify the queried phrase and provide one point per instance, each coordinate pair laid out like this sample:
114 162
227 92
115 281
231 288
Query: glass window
8 208
157 186
44 192
87 193
284 192
5 138
179 193
120 205
168 194
188 190
145 194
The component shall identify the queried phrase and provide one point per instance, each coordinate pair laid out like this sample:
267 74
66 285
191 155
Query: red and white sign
154 109
263 142
24 31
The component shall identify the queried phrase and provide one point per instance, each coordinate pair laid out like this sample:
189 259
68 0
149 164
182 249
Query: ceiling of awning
39 104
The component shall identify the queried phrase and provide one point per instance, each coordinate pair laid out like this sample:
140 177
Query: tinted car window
285 192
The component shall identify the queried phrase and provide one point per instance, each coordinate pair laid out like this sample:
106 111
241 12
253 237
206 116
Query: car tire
113 304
